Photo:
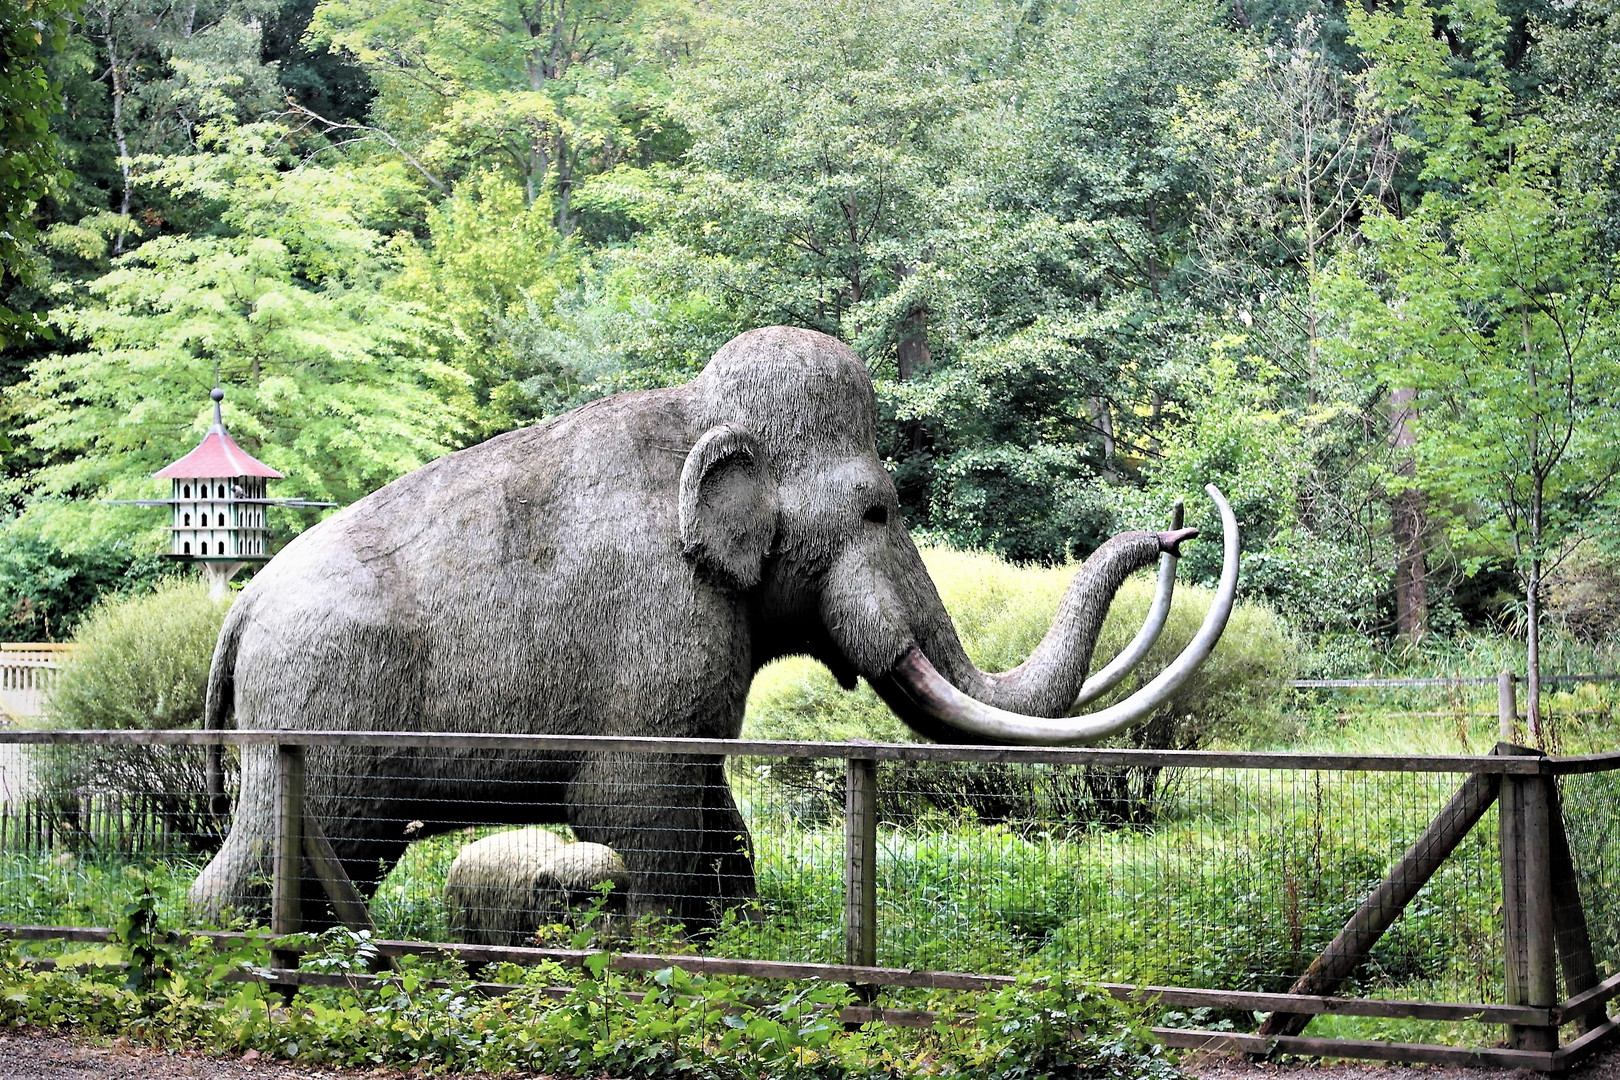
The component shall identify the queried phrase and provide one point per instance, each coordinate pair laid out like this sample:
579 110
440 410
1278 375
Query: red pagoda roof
217 455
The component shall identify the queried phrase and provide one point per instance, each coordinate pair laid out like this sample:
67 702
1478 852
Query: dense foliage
1356 267
428 1014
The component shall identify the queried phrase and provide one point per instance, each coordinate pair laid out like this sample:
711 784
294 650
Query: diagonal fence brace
347 903
1573 938
1380 910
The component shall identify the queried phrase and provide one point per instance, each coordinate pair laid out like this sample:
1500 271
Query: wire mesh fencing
1224 872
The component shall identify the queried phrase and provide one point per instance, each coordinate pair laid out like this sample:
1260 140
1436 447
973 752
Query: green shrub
142 663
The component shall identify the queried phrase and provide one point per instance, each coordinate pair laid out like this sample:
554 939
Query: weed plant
64 889
428 1014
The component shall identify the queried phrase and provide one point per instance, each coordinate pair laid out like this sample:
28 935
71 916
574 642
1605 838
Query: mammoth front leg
728 850
675 825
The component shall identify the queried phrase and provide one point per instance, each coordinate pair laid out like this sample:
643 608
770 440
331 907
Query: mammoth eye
877 515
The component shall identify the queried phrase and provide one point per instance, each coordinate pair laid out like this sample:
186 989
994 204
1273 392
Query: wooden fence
105 821
1544 922
28 670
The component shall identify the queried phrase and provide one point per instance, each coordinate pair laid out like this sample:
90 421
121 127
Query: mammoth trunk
937 690
909 608
1049 681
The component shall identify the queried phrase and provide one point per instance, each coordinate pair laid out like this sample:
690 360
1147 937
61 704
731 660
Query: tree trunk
1538 491
911 356
1103 417
565 188
1532 630
912 353
1407 524
115 76
1532 655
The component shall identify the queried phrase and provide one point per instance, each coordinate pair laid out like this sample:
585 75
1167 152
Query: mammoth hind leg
235 883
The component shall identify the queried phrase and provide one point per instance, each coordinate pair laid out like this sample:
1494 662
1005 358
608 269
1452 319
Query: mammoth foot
234 884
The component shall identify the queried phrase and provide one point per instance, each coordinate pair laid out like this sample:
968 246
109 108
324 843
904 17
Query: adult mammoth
625 569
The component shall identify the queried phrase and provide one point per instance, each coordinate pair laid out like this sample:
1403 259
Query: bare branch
363 133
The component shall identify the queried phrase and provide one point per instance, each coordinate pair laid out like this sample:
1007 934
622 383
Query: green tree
491 272
1065 298
552 90
1292 158
1574 66
169 71
823 143
30 30
1492 298
326 377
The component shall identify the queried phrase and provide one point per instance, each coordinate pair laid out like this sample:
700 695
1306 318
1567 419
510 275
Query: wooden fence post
287 876
1507 707
1530 955
860 863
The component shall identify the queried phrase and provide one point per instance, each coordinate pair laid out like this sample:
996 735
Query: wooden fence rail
1544 924
1536 765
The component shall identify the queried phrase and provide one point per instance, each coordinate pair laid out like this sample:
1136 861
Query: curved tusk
1158 614
916 678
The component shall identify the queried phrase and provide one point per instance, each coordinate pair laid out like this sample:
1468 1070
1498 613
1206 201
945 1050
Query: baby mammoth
502 889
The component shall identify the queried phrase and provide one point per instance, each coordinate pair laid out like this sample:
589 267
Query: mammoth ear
728 505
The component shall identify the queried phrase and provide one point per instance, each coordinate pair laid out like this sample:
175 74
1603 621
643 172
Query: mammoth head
783 493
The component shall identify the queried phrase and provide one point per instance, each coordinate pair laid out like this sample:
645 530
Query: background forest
1355 265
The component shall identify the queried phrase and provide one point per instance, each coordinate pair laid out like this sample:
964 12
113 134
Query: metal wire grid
1229 878
1222 878
1591 810
82 827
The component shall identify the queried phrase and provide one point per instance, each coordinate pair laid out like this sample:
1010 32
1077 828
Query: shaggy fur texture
503 888
621 570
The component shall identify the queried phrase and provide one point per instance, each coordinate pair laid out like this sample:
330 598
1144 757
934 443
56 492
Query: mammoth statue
625 569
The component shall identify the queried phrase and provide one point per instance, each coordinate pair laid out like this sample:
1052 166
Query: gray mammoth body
622 570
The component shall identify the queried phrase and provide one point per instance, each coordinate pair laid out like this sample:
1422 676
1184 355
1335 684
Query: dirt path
1605 1066
47 1056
